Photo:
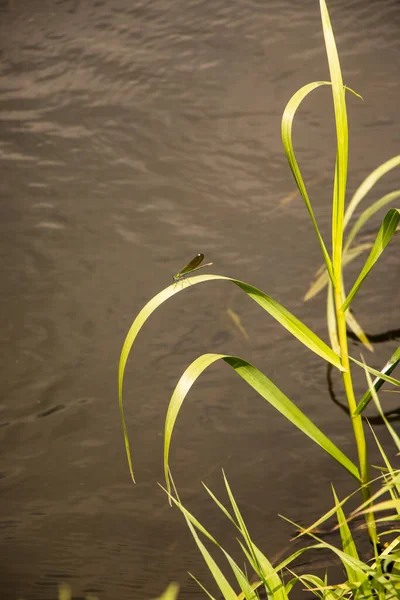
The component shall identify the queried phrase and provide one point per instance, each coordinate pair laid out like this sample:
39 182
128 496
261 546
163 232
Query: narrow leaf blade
384 236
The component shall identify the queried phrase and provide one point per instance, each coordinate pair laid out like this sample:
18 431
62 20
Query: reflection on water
134 136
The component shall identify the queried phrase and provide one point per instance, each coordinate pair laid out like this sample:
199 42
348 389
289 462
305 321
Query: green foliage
380 580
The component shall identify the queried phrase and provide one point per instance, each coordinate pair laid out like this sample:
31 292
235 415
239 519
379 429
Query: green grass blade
314 527
348 544
379 381
392 432
368 183
384 236
391 471
224 586
387 378
266 389
202 586
356 328
346 558
367 214
354 325
221 507
331 320
287 124
273 584
342 135
171 593
385 505
242 580
371 502
276 310
292 324
272 579
284 564
315 583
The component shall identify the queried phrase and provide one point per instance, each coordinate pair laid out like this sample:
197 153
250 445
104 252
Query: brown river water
133 135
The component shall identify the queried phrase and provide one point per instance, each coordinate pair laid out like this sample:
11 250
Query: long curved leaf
384 236
286 128
367 214
368 183
266 389
276 310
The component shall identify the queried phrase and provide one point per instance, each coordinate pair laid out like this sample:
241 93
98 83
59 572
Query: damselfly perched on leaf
194 265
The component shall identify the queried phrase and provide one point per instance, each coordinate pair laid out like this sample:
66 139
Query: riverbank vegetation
379 577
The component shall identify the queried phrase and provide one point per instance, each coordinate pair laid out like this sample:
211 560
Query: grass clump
380 578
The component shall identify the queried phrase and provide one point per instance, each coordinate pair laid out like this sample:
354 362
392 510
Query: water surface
134 135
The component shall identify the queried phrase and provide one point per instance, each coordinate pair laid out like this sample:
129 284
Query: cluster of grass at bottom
376 579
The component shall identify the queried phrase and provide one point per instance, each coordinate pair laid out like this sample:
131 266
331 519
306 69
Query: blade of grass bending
384 236
221 506
394 435
385 505
387 378
319 585
258 561
242 580
290 584
378 381
324 518
368 183
370 505
344 557
348 544
266 389
202 586
276 310
224 586
270 579
391 471
291 323
367 214
286 130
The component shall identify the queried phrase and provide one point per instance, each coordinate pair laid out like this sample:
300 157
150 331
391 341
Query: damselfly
194 265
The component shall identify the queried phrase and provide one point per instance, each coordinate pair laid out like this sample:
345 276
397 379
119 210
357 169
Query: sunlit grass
379 579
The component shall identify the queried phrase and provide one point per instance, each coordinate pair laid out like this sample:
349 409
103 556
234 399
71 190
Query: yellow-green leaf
286 127
383 237
266 389
276 310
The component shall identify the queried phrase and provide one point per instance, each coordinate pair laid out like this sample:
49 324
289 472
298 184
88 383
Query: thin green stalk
356 420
